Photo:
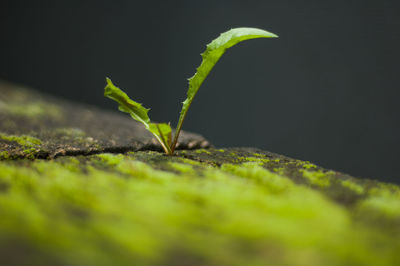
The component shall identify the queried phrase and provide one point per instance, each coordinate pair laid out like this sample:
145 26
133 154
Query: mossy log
71 194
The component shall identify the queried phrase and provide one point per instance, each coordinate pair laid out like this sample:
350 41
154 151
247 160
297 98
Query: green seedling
212 54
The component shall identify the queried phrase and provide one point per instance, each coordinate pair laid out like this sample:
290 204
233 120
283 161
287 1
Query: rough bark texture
61 204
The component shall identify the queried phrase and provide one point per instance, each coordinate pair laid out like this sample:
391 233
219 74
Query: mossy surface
197 208
21 146
23 140
66 128
66 200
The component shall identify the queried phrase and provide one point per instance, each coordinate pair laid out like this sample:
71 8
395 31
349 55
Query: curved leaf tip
211 55
236 35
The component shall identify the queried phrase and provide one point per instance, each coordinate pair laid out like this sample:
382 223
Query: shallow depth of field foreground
80 186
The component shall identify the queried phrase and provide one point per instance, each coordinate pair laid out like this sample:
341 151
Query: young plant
212 54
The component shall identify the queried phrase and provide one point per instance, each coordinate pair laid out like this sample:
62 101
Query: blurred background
326 91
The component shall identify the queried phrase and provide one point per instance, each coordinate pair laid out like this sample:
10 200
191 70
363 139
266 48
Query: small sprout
161 131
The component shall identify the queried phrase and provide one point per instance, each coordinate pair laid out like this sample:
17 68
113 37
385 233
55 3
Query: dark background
326 91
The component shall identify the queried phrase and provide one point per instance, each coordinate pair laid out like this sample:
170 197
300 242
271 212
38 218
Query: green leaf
136 110
212 54
161 131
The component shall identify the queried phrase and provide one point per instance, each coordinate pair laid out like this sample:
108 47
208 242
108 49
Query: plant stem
163 143
165 147
178 128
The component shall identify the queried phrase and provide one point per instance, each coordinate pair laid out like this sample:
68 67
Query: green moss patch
318 178
22 146
23 140
149 209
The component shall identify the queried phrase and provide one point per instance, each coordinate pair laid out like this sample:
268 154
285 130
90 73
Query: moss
388 206
29 146
111 159
318 178
385 200
275 182
202 151
23 140
353 186
33 110
30 153
306 165
192 162
72 164
4 187
134 213
233 154
4 155
182 168
253 159
279 170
